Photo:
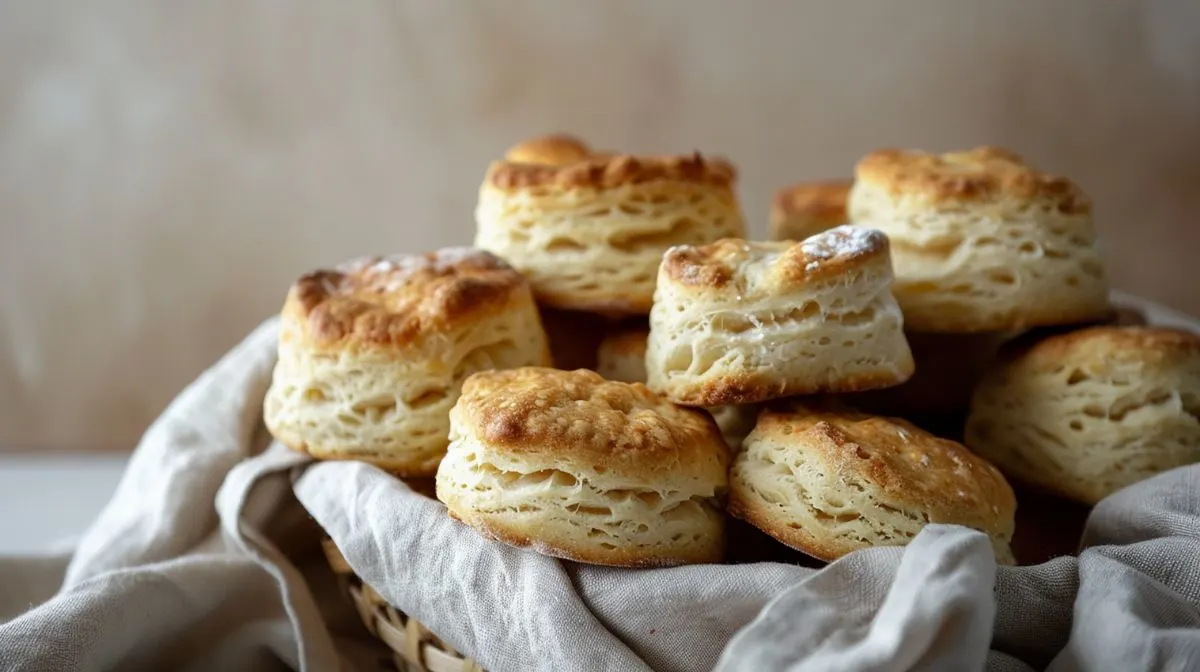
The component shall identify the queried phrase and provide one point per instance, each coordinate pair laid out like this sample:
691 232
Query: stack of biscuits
614 370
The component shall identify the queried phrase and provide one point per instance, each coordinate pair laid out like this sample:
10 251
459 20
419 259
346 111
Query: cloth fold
928 606
177 572
207 558
1139 579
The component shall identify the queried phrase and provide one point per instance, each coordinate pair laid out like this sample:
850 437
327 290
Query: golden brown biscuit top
729 262
555 149
622 428
818 201
1095 348
396 300
978 175
607 171
902 462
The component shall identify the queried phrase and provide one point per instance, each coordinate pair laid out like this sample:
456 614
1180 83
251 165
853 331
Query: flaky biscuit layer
1086 413
586 469
740 323
622 356
590 235
981 241
372 356
829 482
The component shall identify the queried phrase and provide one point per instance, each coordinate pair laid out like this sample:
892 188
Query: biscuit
581 468
1086 413
622 357
981 241
372 355
806 209
555 149
590 234
831 482
738 323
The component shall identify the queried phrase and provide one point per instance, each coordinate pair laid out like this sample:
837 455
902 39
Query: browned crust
554 149
611 306
1150 339
809 204
423 468
609 171
978 175
1151 345
891 464
749 389
831 253
617 557
905 465
700 266
623 426
394 301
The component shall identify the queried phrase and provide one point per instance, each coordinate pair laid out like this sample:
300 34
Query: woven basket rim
415 648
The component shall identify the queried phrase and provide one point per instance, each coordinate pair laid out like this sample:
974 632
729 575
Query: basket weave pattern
414 647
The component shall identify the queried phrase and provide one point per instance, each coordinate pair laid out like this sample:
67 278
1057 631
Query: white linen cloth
206 558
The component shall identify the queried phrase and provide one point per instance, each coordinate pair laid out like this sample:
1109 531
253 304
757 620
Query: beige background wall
167 168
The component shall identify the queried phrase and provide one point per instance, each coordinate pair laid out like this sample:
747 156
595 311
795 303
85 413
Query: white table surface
47 501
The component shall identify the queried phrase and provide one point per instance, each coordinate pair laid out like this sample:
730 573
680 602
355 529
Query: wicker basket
415 648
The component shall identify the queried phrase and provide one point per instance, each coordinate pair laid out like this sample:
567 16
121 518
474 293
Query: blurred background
167 169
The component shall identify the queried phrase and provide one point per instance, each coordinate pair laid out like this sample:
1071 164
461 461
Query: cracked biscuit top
897 462
1100 346
607 171
622 429
396 301
980 175
775 267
